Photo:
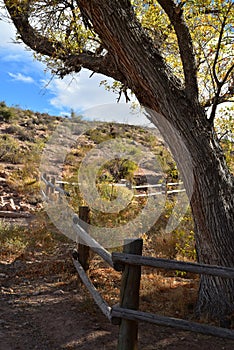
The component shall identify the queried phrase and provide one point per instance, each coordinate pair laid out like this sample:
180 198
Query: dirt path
44 306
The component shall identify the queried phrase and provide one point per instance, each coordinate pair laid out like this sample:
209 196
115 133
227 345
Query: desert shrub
98 136
40 236
6 114
12 129
12 240
26 178
26 135
117 169
177 244
22 133
10 150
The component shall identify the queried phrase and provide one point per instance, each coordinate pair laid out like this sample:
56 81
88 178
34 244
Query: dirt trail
44 306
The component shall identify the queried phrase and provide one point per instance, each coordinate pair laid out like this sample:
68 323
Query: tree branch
101 64
217 51
222 99
175 14
217 98
19 13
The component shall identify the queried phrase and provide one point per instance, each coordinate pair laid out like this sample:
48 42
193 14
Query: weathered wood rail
126 314
165 189
129 293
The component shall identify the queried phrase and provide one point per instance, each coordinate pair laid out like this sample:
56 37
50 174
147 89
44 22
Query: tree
176 57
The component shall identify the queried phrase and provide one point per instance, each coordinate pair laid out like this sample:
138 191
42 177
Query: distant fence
129 262
163 188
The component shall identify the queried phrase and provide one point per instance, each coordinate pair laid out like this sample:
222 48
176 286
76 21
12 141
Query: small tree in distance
177 58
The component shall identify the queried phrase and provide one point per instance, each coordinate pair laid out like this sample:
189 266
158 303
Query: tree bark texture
189 135
174 108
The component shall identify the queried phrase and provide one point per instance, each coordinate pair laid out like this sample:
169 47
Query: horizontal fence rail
67 183
15 214
129 262
131 259
136 315
145 186
164 187
54 187
148 194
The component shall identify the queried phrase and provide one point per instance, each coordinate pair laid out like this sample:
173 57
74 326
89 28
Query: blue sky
24 82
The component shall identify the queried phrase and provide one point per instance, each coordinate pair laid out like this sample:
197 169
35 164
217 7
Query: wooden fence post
129 296
47 191
62 186
52 190
83 249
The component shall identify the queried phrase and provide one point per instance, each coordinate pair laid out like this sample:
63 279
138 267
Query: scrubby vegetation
23 135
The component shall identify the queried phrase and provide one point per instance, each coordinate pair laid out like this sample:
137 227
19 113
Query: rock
12 204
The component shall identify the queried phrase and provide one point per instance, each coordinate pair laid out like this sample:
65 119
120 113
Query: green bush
6 114
117 169
98 136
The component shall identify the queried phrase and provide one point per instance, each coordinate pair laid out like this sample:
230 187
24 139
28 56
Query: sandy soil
44 306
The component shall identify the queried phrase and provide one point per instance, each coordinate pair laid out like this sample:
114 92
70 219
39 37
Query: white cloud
118 112
12 58
79 92
7 31
86 97
11 50
22 78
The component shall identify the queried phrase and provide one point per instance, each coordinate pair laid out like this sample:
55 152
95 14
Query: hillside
22 138
43 303
23 135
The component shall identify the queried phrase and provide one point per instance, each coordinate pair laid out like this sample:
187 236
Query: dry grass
47 252
160 292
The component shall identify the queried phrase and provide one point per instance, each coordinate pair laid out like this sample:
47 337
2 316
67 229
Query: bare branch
229 71
217 97
218 51
209 67
224 134
175 14
222 99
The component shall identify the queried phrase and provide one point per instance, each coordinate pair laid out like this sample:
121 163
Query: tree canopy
194 37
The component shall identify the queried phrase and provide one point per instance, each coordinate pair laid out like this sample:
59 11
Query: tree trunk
212 205
191 138
210 187
134 60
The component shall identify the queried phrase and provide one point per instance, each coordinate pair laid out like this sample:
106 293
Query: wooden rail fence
129 262
54 186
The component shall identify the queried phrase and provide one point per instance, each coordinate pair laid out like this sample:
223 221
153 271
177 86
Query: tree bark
202 164
189 136
174 108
